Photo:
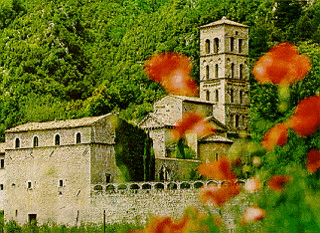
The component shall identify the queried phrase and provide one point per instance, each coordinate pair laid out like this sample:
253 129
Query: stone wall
138 201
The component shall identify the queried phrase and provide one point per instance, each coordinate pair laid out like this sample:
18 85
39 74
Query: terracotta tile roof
61 124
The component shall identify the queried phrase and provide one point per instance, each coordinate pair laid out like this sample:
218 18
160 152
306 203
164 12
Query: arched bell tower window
231 96
241 71
35 141
208 95
216 45
217 96
17 143
216 71
78 138
240 45
207 46
207 72
237 121
232 70
231 44
57 140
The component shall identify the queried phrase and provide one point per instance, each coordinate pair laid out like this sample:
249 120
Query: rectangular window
240 46
1 186
29 185
60 183
1 163
32 218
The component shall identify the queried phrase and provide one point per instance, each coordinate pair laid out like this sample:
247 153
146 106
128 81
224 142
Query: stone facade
224 72
50 166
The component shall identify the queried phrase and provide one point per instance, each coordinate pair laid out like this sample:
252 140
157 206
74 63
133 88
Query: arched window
231 95
207 44
237 121
241 96
208 95
78 138
231 44
216 45
216 71
35 141
241 71
232 70
57 140
217 96
207 72
240 45
17 143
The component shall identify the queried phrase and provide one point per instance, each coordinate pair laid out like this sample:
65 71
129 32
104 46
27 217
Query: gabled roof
192 99
61 124
224 20
153 121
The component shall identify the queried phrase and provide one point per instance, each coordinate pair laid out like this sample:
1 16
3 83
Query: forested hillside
67 59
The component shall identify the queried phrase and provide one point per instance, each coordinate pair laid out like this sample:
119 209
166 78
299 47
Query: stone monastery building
50 171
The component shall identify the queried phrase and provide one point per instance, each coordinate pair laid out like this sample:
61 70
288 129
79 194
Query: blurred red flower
192 122
281 65
166 225
253 214
313 160
172 71
276 136
277 183
252 185
219 195
306 118
218 170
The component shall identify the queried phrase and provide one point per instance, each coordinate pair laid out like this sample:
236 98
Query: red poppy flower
281 65
278 183
172 71
219 196
218 170
192 122
313 160
167 225
253 214
276 136
306 119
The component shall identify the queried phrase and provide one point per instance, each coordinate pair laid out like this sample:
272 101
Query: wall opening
17 143
207 46
240 45
231 96
1 163
207 95
241 97
216 45
35 141
78 138
237 121
60 183
1 186
217 156
207 72
232 70
231 44
216 73
108 177
217 96
57 140
241 71
29 185
32 218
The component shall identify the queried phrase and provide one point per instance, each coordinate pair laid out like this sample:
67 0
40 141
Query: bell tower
224 72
